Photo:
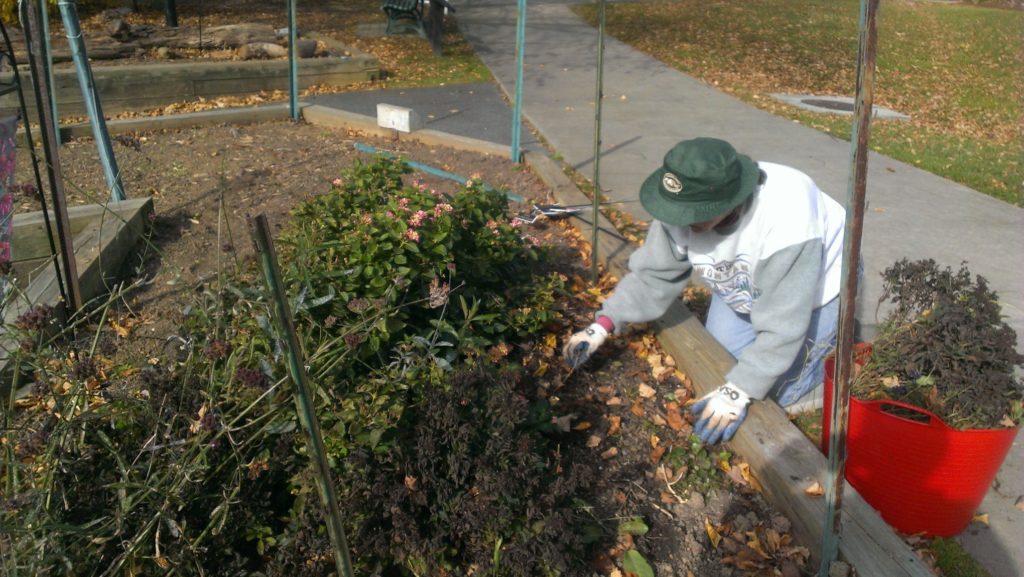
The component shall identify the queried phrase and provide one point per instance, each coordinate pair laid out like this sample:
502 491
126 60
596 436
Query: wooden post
847 297
51 142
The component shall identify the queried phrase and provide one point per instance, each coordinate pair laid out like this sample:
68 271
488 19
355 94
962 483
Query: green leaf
634 526
634 562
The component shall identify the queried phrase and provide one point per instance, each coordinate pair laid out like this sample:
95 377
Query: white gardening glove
719 413
583 344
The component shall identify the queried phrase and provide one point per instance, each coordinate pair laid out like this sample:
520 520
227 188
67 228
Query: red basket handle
934 421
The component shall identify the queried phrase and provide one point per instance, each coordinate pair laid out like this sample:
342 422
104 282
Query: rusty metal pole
598 98
51 141
857 186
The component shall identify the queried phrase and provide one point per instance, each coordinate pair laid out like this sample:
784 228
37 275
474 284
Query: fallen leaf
1007 422
658 420
661 371
667 498
551 341
542 368
610 453
980 518
890 382
815 490
614 424
613 402
675 420
713 535
736 475
655 441
637 408
749 477
773 540
1019 503
121 330
657 453
593 441
755 543
582 426
646 391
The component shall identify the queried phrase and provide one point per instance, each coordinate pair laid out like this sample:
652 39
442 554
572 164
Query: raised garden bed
104 236
647 489
136 87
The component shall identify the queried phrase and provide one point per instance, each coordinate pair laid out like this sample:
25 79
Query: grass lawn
955 69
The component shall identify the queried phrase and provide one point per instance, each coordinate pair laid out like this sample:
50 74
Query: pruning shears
557 211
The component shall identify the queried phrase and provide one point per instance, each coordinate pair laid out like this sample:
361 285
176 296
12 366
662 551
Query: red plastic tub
922 476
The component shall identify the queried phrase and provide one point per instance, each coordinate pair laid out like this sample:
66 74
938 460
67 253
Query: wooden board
782 458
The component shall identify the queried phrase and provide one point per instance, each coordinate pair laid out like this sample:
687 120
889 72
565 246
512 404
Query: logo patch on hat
671 183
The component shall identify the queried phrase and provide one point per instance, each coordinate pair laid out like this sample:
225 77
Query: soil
629 401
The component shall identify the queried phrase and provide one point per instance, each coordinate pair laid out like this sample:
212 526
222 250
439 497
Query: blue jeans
799 386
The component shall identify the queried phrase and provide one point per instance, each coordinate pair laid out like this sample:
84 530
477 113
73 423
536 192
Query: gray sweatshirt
778 262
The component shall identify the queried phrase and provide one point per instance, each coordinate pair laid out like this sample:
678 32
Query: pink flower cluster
416 220
443 208
412 235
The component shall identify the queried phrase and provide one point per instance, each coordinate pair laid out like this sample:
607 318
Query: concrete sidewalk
648 107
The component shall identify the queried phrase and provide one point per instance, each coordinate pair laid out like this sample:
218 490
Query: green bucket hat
700 179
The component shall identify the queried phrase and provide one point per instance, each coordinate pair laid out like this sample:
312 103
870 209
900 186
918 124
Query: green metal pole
856 190
69 15
517 105
598 97
293 65
303 396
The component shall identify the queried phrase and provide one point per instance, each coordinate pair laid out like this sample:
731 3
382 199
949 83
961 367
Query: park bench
424 18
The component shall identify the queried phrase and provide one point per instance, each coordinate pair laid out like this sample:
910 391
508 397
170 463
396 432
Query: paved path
648 107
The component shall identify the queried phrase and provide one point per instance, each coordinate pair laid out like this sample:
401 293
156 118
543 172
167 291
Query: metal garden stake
598 96
303 397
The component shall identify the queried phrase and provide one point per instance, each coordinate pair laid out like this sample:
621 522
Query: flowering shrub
196 460
392 261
